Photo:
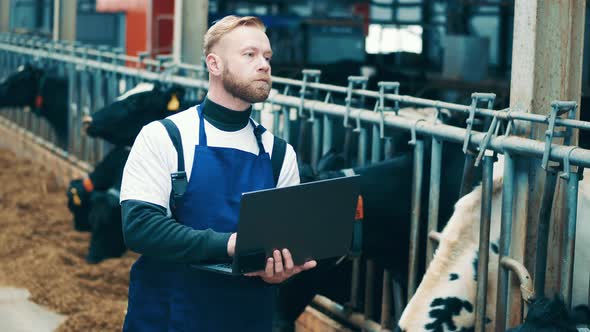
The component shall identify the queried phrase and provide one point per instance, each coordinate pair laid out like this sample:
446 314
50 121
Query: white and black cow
445 299
120 122
44 91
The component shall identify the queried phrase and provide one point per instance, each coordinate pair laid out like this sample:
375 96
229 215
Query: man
225 155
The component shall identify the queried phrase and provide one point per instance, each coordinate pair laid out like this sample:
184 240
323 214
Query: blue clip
413 132
307 73
557 108
352 80
475 98
566 164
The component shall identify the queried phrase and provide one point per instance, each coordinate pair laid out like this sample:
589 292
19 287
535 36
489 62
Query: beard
251 92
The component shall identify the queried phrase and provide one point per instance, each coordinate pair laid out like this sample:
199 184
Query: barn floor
18 314
42 253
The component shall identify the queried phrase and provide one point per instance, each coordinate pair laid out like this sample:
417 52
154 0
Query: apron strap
179 180
258 131
279 148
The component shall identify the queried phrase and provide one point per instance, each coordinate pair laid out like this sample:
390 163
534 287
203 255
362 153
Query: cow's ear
173 103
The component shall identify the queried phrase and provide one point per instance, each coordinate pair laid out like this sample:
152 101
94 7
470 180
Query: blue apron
173 297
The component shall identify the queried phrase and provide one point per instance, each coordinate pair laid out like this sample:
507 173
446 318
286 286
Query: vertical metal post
98 103
468 173
316 140
386 296
354 284
85 110
505 238
276 120
327 134
434 195
375 144
398 302
73 104
287 124
415 219
388 148
570 237
369 293
362 147
543 231
484 243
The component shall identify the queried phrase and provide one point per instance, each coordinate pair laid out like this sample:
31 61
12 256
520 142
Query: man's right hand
231 245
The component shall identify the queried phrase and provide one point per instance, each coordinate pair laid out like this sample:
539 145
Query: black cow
552 315
106 225
386 188
20 88
120 122
107 173
45 91
94 203
79 202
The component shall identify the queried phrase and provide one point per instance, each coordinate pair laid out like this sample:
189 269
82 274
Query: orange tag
38 101
88 185
360 212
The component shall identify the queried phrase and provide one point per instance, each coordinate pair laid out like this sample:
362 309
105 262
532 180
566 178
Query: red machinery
149 24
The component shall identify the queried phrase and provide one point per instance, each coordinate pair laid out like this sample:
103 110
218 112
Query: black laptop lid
313 220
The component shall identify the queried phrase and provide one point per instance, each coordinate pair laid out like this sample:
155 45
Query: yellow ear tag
173 104
75 197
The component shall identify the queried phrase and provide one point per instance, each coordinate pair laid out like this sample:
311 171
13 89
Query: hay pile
40 251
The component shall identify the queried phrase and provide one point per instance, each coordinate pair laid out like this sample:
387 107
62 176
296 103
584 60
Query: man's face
246 54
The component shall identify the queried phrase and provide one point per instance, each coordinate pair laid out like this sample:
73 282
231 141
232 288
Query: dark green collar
224 118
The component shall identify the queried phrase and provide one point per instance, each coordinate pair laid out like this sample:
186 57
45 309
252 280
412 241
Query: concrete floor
18 314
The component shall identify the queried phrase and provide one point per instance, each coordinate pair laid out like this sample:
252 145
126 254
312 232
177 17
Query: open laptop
313 220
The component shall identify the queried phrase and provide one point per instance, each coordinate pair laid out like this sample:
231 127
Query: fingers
278 262
254 274
309 265
269 269
288 260
280 267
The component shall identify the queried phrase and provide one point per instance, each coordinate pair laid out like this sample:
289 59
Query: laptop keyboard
224 265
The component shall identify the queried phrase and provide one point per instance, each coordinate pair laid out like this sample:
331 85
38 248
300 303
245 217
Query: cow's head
52 102
120 122
44 91
20 88
79 202
105 221
547 315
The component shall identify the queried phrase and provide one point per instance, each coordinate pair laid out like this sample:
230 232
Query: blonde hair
223 26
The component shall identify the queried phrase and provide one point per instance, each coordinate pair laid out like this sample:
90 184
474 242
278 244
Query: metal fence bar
327 134
484 244
434 195
468 173
543 231
369 288
365 116
512 115
570 235
386 297
415 217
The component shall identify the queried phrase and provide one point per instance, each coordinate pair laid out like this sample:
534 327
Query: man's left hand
280 267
